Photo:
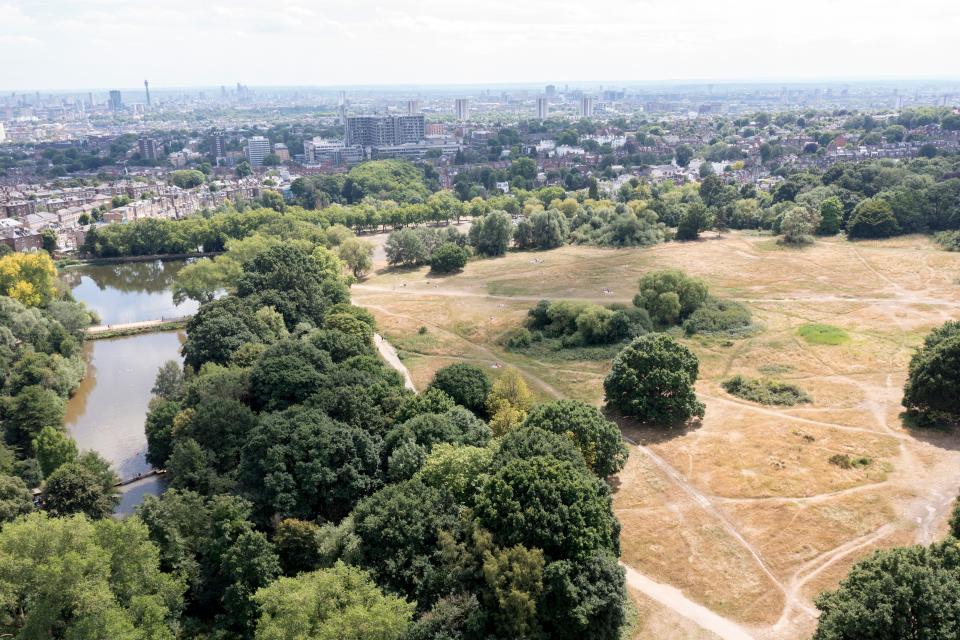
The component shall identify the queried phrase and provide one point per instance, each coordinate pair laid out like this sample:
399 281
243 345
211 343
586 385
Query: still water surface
129 292
107 412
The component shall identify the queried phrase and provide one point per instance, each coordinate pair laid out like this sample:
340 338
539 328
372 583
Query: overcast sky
76 44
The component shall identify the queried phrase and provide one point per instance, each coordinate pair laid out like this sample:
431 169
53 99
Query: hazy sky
74 44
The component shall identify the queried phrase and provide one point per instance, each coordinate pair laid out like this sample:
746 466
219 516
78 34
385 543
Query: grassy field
744 511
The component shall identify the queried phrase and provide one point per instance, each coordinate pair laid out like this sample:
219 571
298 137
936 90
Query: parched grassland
744 512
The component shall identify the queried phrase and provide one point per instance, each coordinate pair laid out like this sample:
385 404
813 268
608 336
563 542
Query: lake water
107 412
128 292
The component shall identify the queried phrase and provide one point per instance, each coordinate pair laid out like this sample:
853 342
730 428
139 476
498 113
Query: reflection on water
107 412
129 292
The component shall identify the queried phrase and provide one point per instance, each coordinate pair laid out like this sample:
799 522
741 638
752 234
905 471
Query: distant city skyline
80 44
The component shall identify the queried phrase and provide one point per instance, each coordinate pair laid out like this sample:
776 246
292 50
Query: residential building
3 134
150 148
116 103
320 151
378 131
219 147
586 107
550 90
461 107
543 107
434 129
413 107
258 148
282 152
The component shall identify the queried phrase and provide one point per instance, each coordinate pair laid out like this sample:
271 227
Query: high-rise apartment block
219 147
150 148
550 90
258 148
116 103
3 134
586 106
543 107
413 107
462 108
380 131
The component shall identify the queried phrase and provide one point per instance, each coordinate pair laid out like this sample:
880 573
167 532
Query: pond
130 291
107 412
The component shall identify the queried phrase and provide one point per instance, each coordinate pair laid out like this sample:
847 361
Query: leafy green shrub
816 333
717 316
517 338
949 240
584 323
844 461
765 391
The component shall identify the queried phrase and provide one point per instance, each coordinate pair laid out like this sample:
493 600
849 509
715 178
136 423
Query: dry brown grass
764 470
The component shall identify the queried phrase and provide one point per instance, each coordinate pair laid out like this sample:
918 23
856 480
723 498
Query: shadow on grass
644 434
937 429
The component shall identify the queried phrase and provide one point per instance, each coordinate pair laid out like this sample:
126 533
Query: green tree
85 486
448 258
872 218
358 254
906 592
598 439
695 218
467 384
29 412
243 169
405 247
48 240
15 498
831 214
683 155
490 234
53 448
652 379
669 296
272 200
187 178
302 464
72 578
340 603
934 372
551 505
799 224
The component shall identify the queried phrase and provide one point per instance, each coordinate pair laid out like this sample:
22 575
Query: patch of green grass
505 288
816 333
765 391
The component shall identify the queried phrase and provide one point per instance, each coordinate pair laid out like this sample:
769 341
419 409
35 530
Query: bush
448 258
949 240
718 316
517 338
652 380
580 323
844 461
765 391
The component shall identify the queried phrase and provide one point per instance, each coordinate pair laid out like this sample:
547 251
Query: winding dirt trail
388 353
